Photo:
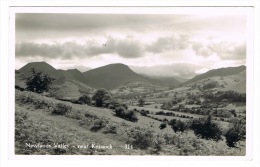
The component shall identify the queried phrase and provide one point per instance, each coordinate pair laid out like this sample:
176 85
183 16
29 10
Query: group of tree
178 125
236 132
207 128
129 115
230 96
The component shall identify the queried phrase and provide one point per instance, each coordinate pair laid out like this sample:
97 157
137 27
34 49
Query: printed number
128 146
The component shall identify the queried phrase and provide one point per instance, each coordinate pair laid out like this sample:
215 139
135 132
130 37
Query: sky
161 44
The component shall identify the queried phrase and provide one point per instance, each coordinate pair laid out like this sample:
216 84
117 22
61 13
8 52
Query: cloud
201 50
169 43
229 51
127 48
131 38
27 49
224 50
82 22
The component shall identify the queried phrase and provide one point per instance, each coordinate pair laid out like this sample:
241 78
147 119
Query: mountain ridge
217 72
113 76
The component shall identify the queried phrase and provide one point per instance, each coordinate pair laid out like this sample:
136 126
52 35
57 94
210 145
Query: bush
141 138
141 102
101 97
61 109
178 125
129 115
111 128
85 99
206 128
120 111
144 112
38 82
236 132
99 124
162 126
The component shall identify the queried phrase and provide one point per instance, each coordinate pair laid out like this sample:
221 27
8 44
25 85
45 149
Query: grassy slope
43 127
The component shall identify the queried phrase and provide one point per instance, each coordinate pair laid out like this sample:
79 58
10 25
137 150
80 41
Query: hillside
84 126
235 82
67 83
217 72
115 75
39 66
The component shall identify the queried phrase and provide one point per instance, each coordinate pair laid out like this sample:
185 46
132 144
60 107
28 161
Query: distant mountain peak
41 66
73 70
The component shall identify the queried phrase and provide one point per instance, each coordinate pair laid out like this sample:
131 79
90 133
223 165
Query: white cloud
70 40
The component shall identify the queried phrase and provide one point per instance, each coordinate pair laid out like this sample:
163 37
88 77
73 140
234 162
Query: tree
141 102
101 97
163 125
120 111
236 132
178 125
85 99
131 116
38 82
206 128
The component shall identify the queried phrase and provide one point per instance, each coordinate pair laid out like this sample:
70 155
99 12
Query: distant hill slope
113 76
240 85
39 66
217 72
235 82
67 83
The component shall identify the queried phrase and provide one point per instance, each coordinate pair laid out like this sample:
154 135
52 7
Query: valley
133 106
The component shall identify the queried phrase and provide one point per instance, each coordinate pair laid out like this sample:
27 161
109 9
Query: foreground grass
80 126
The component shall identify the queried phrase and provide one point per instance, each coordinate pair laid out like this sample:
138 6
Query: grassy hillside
217 72
113 76
235 82
82 126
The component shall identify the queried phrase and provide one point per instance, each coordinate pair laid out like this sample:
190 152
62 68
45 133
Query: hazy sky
193 43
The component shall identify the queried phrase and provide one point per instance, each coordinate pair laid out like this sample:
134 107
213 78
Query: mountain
239 82
113 76
67 84
38 66
217 72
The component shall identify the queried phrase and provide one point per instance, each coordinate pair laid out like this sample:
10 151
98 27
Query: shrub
99 124
206 128
144 112
38 82
141 138
61 109
111 128
236 132
120 111
141 102
178 125
85 99
131 116
162 126
125 106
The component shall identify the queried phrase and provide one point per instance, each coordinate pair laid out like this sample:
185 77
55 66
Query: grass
73 128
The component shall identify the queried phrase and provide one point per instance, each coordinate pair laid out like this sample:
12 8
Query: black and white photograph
163 81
